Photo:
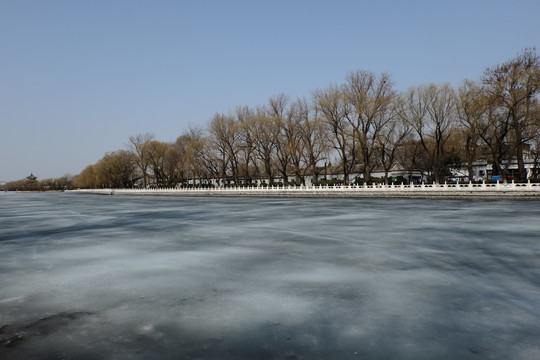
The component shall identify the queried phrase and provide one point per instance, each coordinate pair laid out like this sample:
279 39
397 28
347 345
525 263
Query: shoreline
499 192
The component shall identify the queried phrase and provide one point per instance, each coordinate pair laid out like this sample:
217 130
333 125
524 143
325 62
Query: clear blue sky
77 78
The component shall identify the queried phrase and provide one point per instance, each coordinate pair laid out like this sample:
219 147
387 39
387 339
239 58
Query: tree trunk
522 173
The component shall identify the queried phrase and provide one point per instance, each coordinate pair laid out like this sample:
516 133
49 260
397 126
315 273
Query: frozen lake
112 277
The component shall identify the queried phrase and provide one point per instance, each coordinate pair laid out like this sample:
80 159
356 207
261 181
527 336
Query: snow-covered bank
454 191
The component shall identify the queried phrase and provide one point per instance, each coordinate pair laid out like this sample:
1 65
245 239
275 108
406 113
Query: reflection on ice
167 278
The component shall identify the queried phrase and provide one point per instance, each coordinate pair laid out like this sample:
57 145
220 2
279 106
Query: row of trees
359 125
52 184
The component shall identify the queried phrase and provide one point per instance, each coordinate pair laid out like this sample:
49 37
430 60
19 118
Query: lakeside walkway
449 191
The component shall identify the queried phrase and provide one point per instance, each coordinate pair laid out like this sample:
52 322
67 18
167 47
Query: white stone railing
313 190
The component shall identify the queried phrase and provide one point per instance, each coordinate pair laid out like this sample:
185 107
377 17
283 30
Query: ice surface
91 277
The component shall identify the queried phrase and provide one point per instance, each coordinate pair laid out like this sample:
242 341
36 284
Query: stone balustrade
454 190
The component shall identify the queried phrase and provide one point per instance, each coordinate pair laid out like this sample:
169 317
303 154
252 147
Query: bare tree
248 167
372 100
331 104
224 131
411 156
288 145
139 145
514 87
279 115
471 110
266 131
165 161
181 162
494 131
157 153
200 159
391 137
430 110
313 137
535 135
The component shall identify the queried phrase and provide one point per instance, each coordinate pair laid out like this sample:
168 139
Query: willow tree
87 179
116 170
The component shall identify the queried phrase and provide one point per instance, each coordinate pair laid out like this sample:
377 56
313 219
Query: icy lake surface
112 277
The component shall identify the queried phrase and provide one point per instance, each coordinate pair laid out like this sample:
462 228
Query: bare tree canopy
362 125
